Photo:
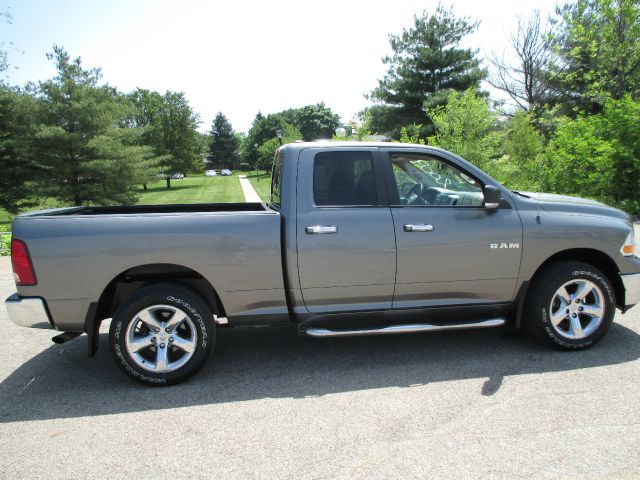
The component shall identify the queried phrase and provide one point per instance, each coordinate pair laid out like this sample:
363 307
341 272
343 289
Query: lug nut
170 339
574 315
168 330
162 345
578 300
567 311
156 329
154 339
580 309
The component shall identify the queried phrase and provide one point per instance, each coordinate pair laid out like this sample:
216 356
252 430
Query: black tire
196 333
543 302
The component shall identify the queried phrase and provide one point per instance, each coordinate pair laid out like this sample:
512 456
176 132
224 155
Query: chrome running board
397 329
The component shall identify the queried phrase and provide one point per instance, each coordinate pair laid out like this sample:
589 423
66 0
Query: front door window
425 180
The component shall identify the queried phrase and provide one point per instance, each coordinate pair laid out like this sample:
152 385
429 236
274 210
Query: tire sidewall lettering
600 280
196 315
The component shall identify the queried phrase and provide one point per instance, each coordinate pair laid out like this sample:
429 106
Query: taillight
21 262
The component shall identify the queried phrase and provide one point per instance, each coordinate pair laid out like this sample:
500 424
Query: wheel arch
126 283
593 257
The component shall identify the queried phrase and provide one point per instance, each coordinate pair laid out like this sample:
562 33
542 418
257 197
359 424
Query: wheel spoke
183 344
593 310
164 322
584 289
564 295
148 317
559 316
141 343
178 317
162 358
576 327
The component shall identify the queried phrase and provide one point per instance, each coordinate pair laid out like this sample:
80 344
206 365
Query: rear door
345 235
451 250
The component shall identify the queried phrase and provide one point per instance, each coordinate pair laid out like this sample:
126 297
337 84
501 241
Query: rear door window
344 178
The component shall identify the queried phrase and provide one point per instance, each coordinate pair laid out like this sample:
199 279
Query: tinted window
276 180
344 178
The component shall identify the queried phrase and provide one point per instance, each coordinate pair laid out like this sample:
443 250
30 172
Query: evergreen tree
77 137
426 66
224 144
17 163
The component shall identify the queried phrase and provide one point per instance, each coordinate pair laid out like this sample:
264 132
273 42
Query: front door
451 250
345 237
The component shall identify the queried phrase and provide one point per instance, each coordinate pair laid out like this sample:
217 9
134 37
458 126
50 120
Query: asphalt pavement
271 404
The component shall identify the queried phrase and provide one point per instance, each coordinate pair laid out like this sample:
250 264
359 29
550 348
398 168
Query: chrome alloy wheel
161 338
577 309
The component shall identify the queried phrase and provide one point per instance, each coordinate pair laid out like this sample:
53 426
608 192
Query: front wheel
162 335
570 305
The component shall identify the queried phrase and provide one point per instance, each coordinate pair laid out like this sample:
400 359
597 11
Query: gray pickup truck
356 239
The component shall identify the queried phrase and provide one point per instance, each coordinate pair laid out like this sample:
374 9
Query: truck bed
235 247
143 209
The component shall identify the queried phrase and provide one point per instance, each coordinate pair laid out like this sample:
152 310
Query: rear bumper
30 312
631 288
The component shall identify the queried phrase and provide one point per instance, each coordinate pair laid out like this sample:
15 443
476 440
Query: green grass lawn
194 189
261 183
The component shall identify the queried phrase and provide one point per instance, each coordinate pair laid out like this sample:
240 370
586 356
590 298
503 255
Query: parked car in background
225 173
177 176
210 173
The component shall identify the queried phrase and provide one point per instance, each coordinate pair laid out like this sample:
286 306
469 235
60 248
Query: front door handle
421 227
321 229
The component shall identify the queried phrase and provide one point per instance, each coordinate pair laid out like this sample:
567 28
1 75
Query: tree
224 144
467 127
142 158
170 128
267 150
426 66
598 54
313 121
521 166
599 155
77 137
524 79
262 130
17 163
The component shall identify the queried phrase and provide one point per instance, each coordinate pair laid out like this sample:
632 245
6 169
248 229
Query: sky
238 57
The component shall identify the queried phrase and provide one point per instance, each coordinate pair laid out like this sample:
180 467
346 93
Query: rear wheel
571 305
162 335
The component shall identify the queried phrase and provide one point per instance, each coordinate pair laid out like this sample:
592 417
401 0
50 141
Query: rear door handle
421 227
321 229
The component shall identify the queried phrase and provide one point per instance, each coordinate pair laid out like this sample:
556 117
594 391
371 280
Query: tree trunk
144 187
168 182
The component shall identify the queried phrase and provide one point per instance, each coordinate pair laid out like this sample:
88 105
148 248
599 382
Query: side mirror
492 197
